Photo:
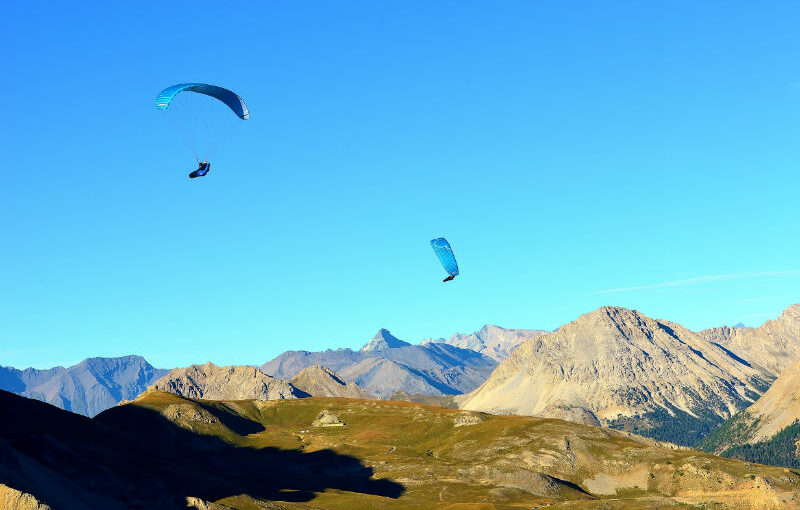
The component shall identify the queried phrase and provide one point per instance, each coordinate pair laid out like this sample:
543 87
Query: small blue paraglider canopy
228 97
445 253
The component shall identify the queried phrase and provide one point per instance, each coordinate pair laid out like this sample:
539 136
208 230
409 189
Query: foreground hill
620 368
769 430
386 365
493 341
165 451
91 386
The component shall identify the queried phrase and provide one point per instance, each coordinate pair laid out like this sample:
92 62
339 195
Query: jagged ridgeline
209 381
165 451
386 365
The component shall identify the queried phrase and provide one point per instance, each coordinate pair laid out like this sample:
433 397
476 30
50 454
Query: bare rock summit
492 341
618 367
770 348
383 340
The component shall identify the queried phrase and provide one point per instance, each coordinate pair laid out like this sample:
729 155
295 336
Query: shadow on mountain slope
136 457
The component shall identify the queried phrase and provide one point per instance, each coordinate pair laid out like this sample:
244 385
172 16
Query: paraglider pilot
202 169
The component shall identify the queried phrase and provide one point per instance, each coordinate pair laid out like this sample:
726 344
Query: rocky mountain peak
213 382
618 364
382 340
792 313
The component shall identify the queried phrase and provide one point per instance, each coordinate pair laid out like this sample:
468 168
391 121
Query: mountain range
492 341
91 386
613 367
386 365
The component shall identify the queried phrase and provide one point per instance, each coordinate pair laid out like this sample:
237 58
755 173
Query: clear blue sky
575 155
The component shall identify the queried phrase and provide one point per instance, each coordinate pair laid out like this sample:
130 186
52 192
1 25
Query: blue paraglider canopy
228 97
445 253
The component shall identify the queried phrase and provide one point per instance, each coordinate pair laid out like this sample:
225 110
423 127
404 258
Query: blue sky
575 155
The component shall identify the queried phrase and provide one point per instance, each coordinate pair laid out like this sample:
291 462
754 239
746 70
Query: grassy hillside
353 454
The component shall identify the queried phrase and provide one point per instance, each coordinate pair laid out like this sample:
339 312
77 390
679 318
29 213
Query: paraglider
200 116
201 171
445 253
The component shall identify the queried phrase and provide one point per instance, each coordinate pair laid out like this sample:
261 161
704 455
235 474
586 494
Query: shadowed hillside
135 456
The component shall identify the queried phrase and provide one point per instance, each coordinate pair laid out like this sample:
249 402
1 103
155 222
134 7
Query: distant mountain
620 368
318 381
163 451
212 382
768 431
434 369
383 340
769 348
88 388
493 341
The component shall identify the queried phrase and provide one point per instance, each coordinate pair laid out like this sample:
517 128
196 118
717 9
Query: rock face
12 499
212 382
383 340
434 369
770 348
493 341
619 367
318 381
88 388
327 419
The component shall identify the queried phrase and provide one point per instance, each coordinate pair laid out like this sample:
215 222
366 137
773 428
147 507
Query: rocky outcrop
327 419
770 348
212 382
318 381
12 499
